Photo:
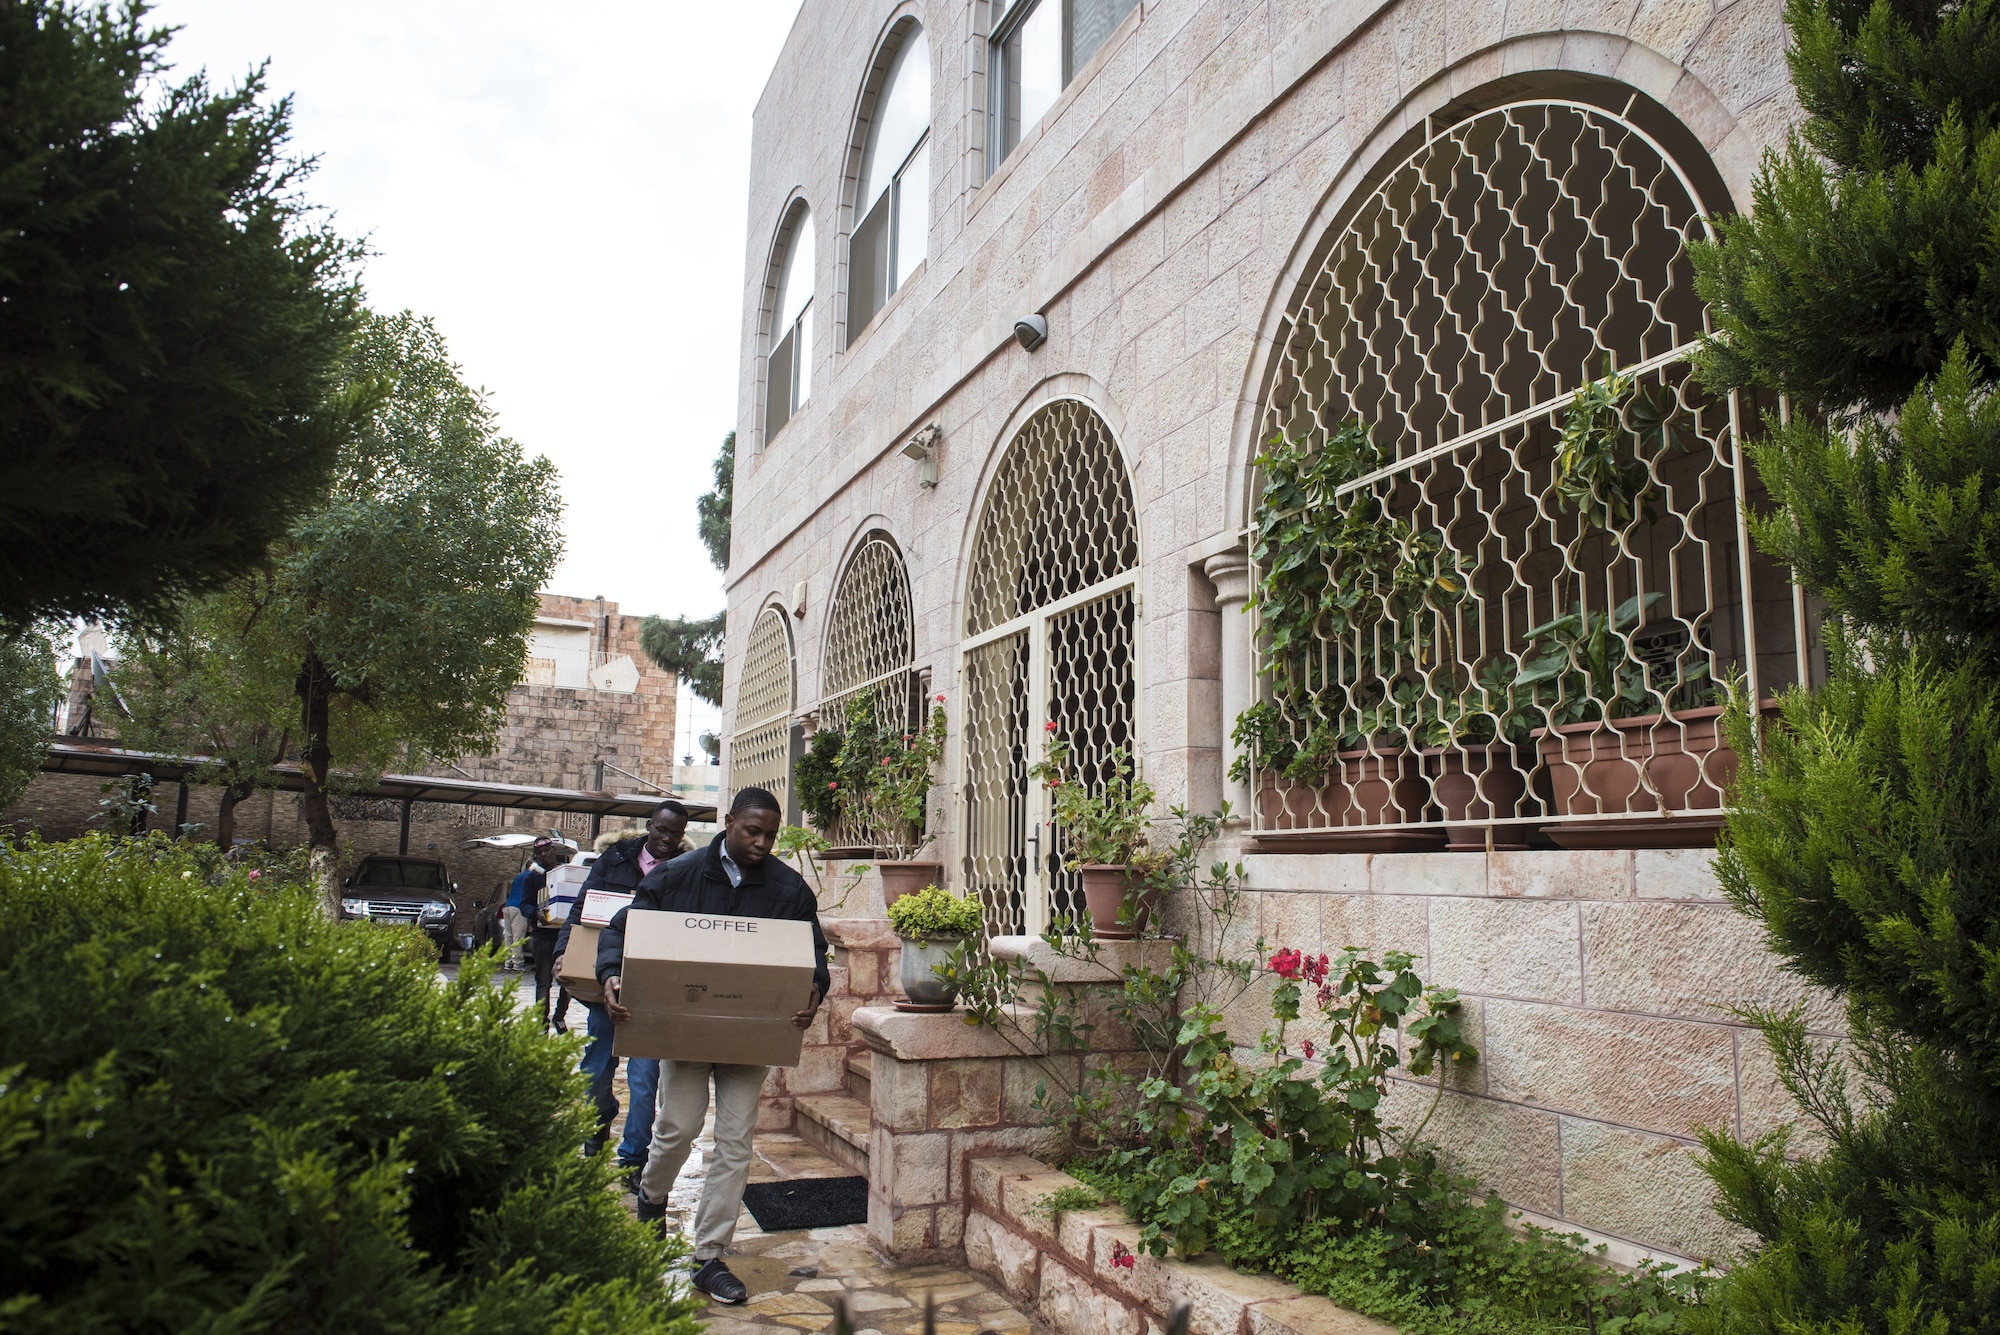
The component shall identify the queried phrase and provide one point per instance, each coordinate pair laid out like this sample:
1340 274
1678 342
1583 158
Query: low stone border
1062 1269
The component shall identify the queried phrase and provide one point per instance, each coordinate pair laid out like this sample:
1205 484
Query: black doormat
807 1202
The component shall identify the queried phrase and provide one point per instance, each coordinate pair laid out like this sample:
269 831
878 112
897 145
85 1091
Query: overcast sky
562 188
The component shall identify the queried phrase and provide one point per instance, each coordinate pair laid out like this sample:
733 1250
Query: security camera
1032 331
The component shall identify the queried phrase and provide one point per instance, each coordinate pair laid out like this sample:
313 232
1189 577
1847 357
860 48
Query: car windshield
388 873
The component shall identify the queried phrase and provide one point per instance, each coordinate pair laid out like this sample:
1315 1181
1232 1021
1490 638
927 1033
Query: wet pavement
795 1277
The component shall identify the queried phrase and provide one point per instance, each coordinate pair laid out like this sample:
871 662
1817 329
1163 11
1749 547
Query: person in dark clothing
737 876
547 854
619 869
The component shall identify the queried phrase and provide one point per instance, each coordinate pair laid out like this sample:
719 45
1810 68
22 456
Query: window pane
868 268
802 368
1041 77
913 212
778 387
795 277
1090 22
902 115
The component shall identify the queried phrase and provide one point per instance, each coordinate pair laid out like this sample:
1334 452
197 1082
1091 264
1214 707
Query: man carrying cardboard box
619 869
735 876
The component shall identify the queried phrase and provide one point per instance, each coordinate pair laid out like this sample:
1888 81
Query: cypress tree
1866 832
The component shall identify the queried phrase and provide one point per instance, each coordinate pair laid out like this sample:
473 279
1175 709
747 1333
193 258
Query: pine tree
1866 833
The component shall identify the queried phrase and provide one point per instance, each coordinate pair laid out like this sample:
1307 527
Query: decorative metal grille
868 652
1500 559
760 754
1050 622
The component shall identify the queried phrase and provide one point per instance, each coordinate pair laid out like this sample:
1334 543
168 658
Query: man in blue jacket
737 876
619 869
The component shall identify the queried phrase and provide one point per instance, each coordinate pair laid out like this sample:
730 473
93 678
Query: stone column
1230 573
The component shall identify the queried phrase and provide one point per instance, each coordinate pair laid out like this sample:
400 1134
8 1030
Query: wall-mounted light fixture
799 600
923 448
1032 331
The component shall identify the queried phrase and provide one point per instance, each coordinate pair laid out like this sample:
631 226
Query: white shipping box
706 988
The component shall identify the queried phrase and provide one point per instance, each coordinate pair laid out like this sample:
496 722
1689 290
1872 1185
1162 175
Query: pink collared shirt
646 860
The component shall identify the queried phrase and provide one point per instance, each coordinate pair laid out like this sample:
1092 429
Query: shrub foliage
220 1111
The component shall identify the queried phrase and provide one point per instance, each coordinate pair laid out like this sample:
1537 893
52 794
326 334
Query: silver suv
417 891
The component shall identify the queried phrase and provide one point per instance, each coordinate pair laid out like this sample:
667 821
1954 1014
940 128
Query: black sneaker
715 1280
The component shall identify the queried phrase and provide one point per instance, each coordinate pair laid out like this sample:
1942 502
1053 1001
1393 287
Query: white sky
562 189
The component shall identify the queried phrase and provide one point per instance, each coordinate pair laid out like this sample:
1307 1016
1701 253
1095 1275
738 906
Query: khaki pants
683 1104
516 925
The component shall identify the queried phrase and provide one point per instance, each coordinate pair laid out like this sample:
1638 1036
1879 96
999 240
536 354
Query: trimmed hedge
220 1111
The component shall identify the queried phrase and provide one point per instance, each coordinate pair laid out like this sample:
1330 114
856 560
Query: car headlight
357 907
435 911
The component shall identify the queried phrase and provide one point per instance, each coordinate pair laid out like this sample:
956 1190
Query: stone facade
1160 218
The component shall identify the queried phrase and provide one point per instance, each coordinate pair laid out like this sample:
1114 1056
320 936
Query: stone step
837 1127
860 1077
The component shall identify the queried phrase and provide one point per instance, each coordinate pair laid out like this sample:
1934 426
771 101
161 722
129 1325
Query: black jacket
617 869
697 882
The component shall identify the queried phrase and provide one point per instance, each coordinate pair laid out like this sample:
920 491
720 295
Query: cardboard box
707 988
579 964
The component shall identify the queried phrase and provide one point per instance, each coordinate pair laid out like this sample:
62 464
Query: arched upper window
893 201
788 381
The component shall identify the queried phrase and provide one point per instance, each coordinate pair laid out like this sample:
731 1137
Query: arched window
1500 563
865 678
893 200
760 748
788 377
1051 622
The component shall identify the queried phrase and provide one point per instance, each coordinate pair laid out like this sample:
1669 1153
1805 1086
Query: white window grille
1051 636
1470 623
865 677
760 753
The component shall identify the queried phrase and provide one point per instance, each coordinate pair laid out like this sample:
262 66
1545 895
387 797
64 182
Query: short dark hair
755 799
668 805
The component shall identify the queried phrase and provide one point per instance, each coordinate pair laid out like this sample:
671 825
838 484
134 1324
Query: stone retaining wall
1061 1269
866 958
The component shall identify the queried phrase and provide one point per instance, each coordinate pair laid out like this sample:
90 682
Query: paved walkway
793 1278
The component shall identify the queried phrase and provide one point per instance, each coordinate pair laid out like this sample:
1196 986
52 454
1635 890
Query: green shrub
220 1111
934 912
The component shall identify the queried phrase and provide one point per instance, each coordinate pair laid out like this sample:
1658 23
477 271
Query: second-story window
893 202
788 379
1037 48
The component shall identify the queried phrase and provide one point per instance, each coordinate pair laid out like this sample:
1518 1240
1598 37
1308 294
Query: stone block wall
866 957
1598 987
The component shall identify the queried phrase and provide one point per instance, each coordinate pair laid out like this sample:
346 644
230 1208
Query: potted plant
1108 836
933 923
895 805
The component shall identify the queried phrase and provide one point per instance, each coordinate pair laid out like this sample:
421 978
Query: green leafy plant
1061 1201
30 690
1108 823
896 799
818 776
933 911
265 1120
1584 667
1612 426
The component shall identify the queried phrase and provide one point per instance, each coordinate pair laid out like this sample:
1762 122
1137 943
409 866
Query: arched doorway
1051 621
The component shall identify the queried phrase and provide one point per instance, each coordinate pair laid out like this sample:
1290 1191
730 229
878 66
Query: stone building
1045 307
594 714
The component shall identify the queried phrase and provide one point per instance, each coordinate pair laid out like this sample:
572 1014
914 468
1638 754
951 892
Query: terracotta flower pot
906 878
1382 788
1645 764
1104 890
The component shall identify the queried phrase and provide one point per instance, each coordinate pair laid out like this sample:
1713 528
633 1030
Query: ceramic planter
906 878
1476 786
1647 764
1105 890
920 955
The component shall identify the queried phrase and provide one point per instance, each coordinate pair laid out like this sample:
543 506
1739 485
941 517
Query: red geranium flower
1307 1047
940 699
1287 964
1121 1256
1050 726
